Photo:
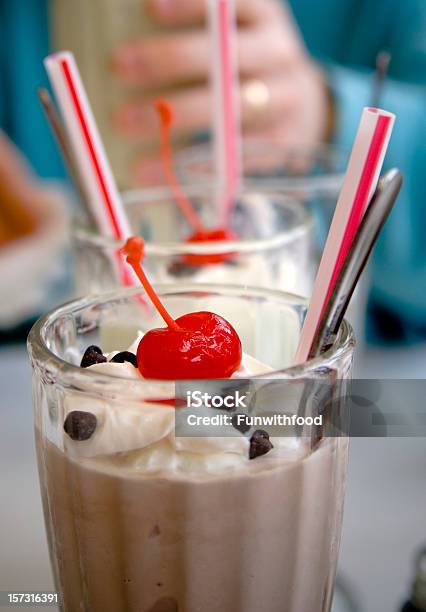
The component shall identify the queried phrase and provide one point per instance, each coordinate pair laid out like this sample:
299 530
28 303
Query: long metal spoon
58 131
356 260
383 59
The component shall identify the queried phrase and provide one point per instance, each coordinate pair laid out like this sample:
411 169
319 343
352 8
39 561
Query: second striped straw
360 181
226 112
97 180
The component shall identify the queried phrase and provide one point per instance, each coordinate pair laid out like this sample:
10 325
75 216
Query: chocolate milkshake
143 521
140 520
257 540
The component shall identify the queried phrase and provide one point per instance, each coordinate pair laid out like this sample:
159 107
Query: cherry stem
134 249
166 118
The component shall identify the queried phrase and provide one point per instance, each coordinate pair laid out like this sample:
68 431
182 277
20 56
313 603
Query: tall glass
274 248
137 520
312 175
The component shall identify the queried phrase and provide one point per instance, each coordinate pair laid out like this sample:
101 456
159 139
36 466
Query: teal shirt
345 36
24 42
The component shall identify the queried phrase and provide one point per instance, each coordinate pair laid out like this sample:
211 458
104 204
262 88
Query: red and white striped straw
86 142
225 89
90 156
362 175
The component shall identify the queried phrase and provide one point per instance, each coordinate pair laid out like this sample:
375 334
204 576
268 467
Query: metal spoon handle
356 259
383 60
58 131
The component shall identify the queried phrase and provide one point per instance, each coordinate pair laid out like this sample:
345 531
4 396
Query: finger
191 110
268 101
193 12
162 59
281 151
281 135
177 58
278 52
293 127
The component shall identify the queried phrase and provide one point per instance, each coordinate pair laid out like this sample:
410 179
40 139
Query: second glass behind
274 249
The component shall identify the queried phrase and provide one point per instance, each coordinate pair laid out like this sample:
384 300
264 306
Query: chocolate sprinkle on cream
80 425
260 444
93 354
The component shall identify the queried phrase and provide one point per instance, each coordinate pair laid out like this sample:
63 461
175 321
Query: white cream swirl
145 431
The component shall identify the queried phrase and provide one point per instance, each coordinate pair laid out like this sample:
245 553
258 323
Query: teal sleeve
24 42
399 262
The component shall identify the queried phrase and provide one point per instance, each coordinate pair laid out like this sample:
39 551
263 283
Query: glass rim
303 225
72 374
299 184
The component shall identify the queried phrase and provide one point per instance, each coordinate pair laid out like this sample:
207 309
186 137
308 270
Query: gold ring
256 96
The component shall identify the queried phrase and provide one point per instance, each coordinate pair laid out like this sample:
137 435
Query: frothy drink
142 522
141 519
254 541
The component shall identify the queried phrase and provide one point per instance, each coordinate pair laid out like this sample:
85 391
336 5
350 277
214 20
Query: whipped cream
145 431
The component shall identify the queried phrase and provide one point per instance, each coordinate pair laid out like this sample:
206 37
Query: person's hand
33 232
18 192
283 92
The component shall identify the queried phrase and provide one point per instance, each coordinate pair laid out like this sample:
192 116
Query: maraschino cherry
201 234
196 345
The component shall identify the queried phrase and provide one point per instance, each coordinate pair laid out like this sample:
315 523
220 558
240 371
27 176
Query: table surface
384 512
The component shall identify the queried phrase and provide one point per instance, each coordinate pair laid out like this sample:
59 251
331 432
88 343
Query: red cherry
166 119
206 346
215 235
201 234
196 345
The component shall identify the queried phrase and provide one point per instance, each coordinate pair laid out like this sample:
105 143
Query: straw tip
373 110
165 111
58 56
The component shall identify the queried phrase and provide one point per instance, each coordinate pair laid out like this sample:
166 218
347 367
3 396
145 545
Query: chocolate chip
241 423
93 354
125 356
231 262
80 425
260 444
